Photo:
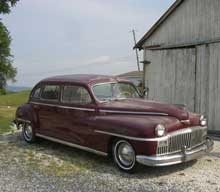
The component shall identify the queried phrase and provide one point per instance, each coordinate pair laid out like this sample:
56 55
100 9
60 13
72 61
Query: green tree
7 71
5 5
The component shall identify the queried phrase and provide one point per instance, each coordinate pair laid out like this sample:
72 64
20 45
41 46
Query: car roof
84 79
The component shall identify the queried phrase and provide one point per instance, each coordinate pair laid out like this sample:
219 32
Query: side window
36 93
75 95
51 92
127 90
104 91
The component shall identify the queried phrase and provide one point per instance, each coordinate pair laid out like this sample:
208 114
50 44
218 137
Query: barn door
171 76
213 93
208 83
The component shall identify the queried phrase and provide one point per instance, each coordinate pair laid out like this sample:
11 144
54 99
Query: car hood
144 107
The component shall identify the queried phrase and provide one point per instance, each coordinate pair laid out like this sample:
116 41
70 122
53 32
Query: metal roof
83 78
158 23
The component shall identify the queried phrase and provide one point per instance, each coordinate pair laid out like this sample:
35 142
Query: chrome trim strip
22 120
181 131
64 107
133 112
131 138
72 145
185 121
187 130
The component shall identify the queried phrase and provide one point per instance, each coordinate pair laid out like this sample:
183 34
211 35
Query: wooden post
136 51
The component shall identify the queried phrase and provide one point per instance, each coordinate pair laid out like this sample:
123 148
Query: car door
77 114
47 109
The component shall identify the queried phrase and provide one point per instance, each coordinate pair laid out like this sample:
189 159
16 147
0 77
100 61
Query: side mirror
181 106
145 92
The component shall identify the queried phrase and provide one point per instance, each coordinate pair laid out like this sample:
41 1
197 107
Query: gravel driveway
48 166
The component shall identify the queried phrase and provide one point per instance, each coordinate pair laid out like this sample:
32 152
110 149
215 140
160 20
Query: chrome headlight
203 120
160 130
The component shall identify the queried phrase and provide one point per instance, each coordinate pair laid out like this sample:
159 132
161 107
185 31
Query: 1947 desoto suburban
108 116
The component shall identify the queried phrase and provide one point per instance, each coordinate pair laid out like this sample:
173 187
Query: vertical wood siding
193 20
171 76
213 108
187 76
208 83
202 79
190 76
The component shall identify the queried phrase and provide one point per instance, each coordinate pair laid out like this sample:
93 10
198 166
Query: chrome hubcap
125 154
28 132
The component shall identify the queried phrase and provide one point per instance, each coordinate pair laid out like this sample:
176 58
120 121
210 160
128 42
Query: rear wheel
28 132
124 155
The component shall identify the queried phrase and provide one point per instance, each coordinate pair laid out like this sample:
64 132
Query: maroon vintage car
108 116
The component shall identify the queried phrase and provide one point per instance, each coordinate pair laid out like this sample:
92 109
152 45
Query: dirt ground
47 166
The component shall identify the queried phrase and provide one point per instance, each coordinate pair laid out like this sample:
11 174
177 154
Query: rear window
36 93
51 92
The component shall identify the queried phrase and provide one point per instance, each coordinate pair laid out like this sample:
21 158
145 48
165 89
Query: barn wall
171 76
202 79
208 83
187 76
193 20
213 109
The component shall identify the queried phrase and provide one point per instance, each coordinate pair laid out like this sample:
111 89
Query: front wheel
124 155
28 132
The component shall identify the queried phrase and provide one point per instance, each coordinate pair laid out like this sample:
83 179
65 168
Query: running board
72 145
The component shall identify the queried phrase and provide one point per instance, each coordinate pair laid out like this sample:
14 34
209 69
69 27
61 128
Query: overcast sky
52 37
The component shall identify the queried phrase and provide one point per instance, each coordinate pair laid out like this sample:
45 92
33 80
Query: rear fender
25 114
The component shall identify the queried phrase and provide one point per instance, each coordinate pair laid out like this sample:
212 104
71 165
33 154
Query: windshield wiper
118 98
113 99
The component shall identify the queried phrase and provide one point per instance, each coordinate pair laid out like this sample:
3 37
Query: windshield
111 91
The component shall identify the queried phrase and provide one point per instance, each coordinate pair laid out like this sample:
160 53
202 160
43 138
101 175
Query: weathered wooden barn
182 57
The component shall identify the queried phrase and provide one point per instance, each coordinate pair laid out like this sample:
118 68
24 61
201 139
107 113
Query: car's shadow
94 162
214 154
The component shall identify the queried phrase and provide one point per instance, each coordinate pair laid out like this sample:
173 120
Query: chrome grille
188 138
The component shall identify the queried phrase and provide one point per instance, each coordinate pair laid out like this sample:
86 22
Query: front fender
141 126
134 128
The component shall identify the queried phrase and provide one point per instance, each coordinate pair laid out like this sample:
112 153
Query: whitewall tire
124 155
28 132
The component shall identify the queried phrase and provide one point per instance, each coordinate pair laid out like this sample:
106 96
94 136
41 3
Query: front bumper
184 156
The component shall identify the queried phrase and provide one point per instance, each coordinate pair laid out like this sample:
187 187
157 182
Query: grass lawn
14 99
7 114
